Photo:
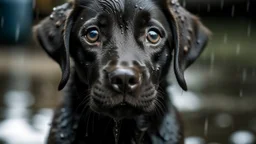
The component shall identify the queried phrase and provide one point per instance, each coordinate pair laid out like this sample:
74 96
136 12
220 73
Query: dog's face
129 49
123 49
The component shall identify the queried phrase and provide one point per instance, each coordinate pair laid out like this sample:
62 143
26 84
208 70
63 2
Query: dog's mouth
119 106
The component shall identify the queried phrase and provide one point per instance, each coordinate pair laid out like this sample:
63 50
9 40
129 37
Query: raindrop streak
248 6
249 29
17 33
2 22
253 72
222 4
208 8
212 62
233 11
244 75
184 3
34 4
238 49
206 126
225 38
241 93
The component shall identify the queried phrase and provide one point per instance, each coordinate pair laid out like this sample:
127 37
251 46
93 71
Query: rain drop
233 11
253 72
244 75
17 33
238 49
222 4
248 6
208 7
184 3
241 93
225 40
34 4
206 126
249 29
212 62
2 22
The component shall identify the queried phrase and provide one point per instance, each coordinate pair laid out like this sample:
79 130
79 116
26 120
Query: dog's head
123 49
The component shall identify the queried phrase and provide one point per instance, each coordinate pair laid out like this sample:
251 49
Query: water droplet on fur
63 110
51 17
136 6
62 135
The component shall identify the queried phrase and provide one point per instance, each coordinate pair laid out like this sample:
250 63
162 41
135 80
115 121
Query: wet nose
124 80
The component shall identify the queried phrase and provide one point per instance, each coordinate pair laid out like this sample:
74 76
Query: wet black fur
122 23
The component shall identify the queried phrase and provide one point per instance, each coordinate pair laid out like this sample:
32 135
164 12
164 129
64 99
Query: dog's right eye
92 35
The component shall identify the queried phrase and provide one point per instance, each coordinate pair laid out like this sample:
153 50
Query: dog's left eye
153 36
92 35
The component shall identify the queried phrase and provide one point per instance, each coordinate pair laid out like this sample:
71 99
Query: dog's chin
122 111
118 112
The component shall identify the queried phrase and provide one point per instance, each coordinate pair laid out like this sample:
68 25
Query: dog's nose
124 80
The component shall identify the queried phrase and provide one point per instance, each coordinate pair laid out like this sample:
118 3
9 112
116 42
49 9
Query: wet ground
221 98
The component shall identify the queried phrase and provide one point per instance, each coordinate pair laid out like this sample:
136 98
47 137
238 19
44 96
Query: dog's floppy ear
190 37
53 34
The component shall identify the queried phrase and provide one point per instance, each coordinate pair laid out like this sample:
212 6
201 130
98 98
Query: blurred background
219 108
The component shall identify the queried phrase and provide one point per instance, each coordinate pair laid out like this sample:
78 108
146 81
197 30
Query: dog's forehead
121 8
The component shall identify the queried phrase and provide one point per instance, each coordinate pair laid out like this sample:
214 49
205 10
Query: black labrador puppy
121 52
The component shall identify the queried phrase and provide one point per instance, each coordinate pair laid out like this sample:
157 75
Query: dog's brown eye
92 35
153 36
